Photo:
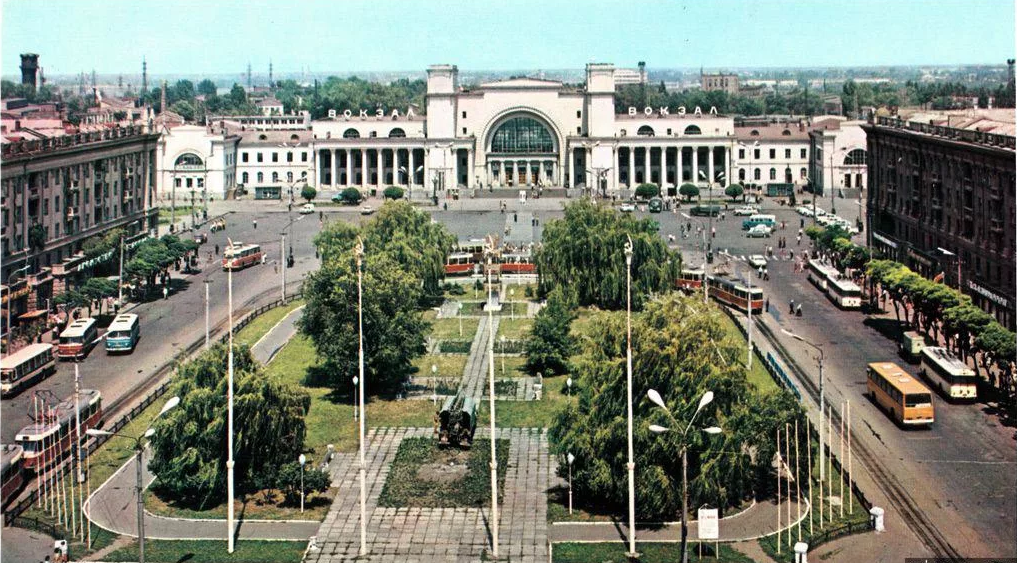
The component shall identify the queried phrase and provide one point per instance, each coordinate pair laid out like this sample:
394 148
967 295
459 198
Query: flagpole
787 450
851 496
798 483
778 490
808 450
842 465
829 474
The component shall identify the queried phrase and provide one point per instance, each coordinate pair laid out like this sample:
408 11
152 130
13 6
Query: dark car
705 210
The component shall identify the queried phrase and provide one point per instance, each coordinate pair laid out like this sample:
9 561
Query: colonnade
396 166
634 164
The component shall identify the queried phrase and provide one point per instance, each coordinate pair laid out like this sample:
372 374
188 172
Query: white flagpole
842 465
42 482
779 464
787 451
77 438
798 485
829 474
851 496
808 450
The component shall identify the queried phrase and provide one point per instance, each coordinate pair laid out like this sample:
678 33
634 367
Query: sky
220 36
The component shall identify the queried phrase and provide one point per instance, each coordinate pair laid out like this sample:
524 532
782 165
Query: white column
695 165
727 166
381 168
709 164
615 162
471 162
678 168
663 168
349 167
412 169
363 167
646 164
335 168
632 167
572 165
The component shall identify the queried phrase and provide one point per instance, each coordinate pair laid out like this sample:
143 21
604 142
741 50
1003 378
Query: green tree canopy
688 191
646 191
350 196
734 191
681 349
585 252
393 192
206 88
550 343
189 445
308 192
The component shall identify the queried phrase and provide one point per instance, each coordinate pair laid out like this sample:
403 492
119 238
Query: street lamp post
631 465
358 251
434 384
822 397
207 326
356 410
703 401
502 339
139 448
568 384
302 459
229 410
709 207
571 458
494 435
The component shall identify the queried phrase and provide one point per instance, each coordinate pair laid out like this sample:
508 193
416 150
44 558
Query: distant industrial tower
249 85
270 83
29 67
1009 73
144 75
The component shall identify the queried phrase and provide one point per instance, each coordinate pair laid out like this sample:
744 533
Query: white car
627 207
820 212
747 210
803 210
308 208
757 260
759 231
366 210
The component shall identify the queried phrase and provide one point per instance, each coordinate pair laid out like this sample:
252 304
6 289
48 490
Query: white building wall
217 152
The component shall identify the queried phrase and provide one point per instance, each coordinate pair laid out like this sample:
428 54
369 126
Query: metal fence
13 513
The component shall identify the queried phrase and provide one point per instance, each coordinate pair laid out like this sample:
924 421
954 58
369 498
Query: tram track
910 513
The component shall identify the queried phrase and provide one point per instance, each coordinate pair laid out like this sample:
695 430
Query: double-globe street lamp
707 397
139 448
631 465
719 177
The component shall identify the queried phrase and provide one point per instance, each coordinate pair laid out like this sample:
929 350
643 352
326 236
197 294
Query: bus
691 281
753 220
461 264
819 274
77 340
944 370
844 292
25 368
240 256
12 476
734 293
123 333
52 434
908 402
517 263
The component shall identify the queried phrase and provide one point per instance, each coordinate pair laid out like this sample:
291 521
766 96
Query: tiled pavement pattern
408 535
475 376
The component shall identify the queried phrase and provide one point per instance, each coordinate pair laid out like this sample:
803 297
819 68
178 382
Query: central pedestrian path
475 376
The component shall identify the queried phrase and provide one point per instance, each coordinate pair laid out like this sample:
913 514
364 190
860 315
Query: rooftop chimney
29 66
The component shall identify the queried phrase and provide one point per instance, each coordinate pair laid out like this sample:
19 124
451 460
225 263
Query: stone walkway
439 534
475 376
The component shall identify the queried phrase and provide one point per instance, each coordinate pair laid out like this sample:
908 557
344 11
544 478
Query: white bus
942 369
123 333
77 340
25 368
844 292
819 274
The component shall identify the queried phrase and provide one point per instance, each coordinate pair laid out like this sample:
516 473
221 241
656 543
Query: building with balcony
59 191
941 200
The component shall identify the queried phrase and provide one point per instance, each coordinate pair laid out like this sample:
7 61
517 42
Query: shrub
351 196
455 346
308 193
646 191
288 481
734 191
393 192
688 191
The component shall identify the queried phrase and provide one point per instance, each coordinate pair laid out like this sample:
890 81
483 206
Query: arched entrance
522 150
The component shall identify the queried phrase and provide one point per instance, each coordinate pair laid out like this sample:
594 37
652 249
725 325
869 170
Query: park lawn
213 551
445 329
449 365
256 506
514 329
514 366
614 552
758 375
260 326
528 414
165 213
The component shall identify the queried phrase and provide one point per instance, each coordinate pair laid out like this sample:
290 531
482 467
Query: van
656 205
522 196
911 344
752 221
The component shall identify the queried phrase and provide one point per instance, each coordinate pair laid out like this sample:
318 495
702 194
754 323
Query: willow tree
681 349
584 253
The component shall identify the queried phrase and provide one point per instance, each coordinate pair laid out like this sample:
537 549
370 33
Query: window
295 137
289 176
275 157
56 204
787 153
189 159
201 182
755 154
805 153
275 177
243 157
397 133
303 157
372 134
289 156
579 114
263 137
351 133
756 174
855 157
579 130
245 178
464 130
645 131
754 133
668 130
464 115
261 177
261 157
802 173
190 182
786 133
773 173
693 130
522 135
741 174
773 154
741 153
177 182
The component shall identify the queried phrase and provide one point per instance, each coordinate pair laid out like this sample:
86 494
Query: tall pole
120 278
833 206
748 351
77 440
141 506
851 495
207 327
631 466
778 490
359 252
229 410
282 267
798 483
841 479
685 504
822 403
808 453
490 392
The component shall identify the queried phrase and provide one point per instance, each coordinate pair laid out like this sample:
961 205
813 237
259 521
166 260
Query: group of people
217 225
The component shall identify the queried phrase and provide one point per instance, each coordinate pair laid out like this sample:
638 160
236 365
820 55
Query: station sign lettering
364 114
665 110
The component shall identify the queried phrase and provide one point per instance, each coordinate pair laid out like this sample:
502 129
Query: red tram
54 432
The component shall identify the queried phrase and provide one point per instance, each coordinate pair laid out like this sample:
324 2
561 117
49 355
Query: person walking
255 223
217 250
798 310
767 304
165 291
792 307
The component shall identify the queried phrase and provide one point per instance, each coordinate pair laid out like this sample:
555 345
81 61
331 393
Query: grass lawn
443 329
449 365
425 475
213 551
614 552
514 366
260 506
758 375
260 326
514 329
528 414
182 213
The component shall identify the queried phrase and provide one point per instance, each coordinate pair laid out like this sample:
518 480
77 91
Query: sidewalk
269 345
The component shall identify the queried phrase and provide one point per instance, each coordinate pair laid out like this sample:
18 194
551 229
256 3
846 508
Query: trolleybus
945 371
25 368
123 333
908 402
77 340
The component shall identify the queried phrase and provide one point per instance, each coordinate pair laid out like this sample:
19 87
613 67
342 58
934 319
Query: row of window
757 174
245 178
756 153
260 157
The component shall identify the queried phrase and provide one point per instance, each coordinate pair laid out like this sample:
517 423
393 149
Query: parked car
746 210
366 210
705 210
757 260
804 210
307 209
656 205
759 231
627 207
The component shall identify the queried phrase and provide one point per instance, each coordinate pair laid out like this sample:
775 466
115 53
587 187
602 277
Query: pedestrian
801 223
217 250
766 275
767 304
759 272
798 310
792 307
165 292
799 243
255 223
792 254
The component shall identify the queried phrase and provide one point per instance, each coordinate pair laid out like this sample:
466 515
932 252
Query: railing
53 143
13 513
966 135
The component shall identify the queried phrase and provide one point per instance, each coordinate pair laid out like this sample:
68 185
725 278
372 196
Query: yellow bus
897 392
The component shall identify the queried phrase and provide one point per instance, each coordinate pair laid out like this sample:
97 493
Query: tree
681 350
72 299
688 191
418 244
238 96
584 251
206 88
308 192
646 191
393 328
734 191
185 109
350 196
393 192
98 289
188 447
550 343
999 348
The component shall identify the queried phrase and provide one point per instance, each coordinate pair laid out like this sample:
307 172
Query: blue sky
219 36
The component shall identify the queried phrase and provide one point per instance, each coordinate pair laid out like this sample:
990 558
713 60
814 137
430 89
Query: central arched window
189 159
645 131
856 156
396 132
693 130
351 133
522 135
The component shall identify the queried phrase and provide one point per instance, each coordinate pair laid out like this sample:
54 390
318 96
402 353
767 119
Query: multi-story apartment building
59 191
941 200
